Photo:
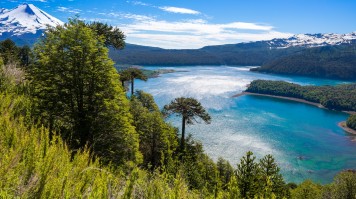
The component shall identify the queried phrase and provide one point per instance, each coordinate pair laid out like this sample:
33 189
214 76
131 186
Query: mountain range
303 54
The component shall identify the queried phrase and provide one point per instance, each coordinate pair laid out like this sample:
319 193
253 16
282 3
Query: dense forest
328 62
246 54
341 97
69 130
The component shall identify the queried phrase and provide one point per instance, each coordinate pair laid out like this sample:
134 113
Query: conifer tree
157 138
233 191
77 92
189 109
130 74
270 173
9 51
248 176
225 171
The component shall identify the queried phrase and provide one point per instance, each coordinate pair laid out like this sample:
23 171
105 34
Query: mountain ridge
27 18
26 23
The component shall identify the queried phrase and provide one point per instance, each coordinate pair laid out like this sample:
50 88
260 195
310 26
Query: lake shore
340 124
291 99
281 97
347 129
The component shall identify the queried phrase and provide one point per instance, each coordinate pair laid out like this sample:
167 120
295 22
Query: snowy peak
313 40
25 18
3 10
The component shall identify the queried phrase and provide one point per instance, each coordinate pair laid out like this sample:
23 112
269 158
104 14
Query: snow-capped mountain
3 10
313 40
25 18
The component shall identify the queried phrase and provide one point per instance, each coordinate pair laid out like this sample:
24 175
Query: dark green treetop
113 37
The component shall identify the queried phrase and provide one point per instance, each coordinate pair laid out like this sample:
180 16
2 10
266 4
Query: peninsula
340 97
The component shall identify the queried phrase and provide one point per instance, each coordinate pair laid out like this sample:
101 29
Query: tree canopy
77 92
113 37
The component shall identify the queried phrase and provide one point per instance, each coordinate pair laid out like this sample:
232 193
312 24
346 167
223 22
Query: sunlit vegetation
68 130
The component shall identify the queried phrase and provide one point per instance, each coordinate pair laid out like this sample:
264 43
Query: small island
340 97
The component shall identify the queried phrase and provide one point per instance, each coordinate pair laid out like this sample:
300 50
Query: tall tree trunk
183 136
132 86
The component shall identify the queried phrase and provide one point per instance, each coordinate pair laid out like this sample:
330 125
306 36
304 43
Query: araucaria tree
77 93
190 109
130 74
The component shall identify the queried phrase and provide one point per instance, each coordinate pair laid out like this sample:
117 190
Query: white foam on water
214 91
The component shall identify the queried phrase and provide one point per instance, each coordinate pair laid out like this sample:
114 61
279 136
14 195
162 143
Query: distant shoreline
340 124
281 97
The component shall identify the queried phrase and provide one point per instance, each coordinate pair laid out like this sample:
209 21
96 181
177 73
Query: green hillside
337 62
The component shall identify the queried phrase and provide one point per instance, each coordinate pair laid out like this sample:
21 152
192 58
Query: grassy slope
33 166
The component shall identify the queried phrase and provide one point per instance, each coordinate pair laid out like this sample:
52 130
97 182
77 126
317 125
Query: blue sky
197 23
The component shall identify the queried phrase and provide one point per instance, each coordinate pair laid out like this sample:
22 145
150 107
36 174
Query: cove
305 140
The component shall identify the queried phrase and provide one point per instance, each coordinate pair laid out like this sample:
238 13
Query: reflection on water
305 140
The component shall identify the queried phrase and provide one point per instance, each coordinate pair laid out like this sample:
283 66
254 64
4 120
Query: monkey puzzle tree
130 74
190 109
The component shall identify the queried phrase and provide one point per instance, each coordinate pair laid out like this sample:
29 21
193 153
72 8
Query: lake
305 140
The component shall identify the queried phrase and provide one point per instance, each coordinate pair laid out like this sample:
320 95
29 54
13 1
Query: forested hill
336 61
327 62
341 97
254 53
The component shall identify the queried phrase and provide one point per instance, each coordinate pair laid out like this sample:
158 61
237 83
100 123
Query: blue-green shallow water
304 139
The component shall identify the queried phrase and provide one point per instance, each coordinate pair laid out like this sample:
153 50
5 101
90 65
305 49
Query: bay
305 140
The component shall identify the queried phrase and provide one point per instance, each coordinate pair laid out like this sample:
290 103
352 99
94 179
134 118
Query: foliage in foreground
34 166
77 93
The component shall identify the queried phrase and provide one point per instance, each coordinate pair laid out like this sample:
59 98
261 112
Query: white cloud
187 33
66 9
179 10
132 16
196 33
140 3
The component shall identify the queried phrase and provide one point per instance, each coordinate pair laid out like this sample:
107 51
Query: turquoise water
304 139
